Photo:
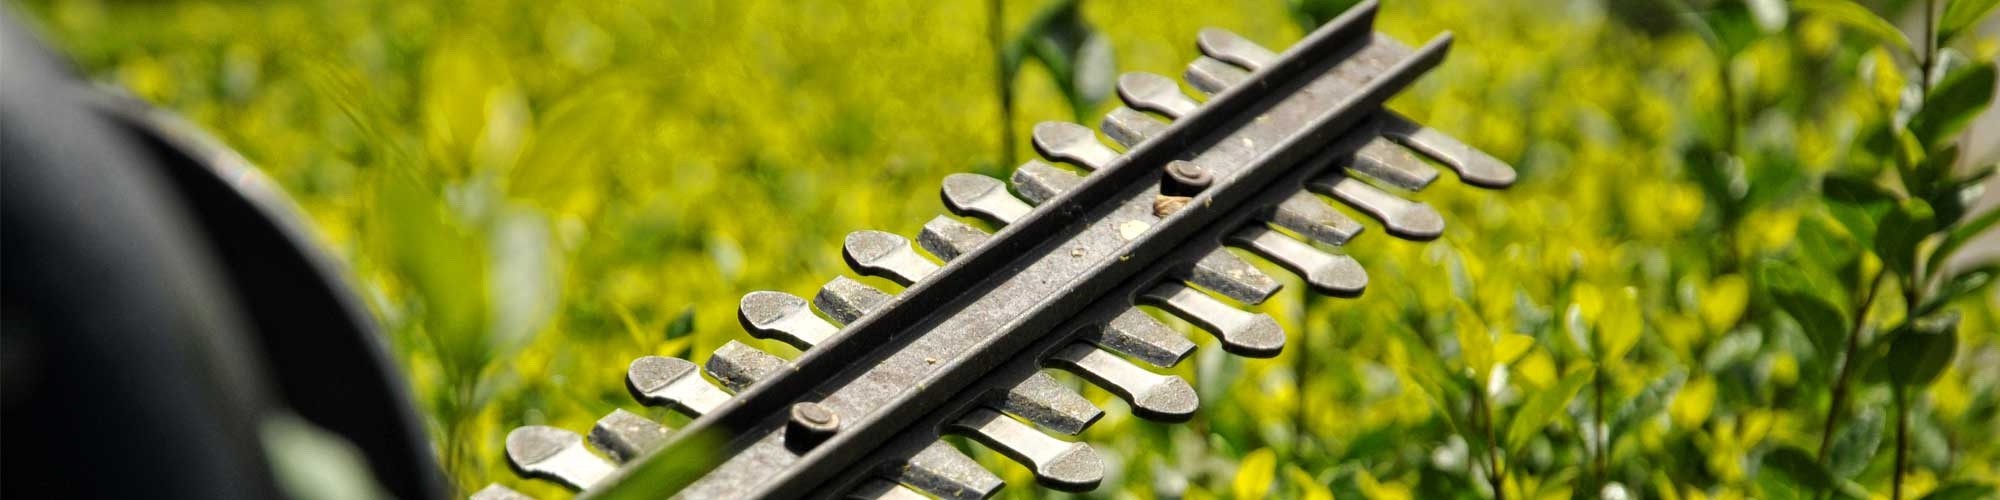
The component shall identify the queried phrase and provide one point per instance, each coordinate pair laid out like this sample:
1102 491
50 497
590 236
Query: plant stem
1599 432
1485 419
1930 44
1902 443
1003 83
1840 378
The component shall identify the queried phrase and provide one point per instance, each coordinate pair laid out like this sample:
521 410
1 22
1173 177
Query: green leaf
1857 203
1959 15
1959 235
1824 323
1078 58
1312 13
1543 406
1961 490
1902 230
1255 474
681 326
1855 17
1965 283
1856 443
1952 103
1799 466
1917 356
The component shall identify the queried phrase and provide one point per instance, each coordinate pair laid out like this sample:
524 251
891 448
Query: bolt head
1185 178
810 424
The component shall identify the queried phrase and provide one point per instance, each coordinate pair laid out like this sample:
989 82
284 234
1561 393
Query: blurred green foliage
1733 221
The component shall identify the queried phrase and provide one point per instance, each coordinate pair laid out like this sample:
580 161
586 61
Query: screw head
1185 178
810 424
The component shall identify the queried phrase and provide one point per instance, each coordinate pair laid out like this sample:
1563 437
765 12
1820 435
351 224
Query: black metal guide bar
962 349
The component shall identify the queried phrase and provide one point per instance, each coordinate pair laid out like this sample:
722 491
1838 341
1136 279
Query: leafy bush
1727 271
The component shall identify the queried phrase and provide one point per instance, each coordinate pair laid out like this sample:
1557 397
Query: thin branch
1840 378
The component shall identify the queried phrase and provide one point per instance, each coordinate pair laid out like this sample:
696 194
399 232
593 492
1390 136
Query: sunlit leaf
1959 15
1961 490
1511 346
1255 474
1544 405
1618 330
1855 17
1693 404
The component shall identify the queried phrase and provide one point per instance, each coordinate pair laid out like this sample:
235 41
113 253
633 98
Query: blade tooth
974 195
1386 161
1153 396
1039 182
877 489
1219 270
1328 273
1233 277
782 316
1155 93
1241 332
846 300
1128 127
1212 76
944 472
674 383
1073 144
1057 464
885 254
739 366
1047 403
1473 166
1234 49
1308 215
1404 218
947 238
556 454
1135 334
495 491
625 436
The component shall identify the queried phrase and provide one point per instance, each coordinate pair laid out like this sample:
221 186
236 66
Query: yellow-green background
531 193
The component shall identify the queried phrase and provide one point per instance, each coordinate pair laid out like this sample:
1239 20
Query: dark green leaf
1953 102
1902 229
1727 27
1799 466
1824 323
682 325
1078 58
1544 405
1312 13
1959 15
1965 283
1918 355
1961 490
1959 235
1857 203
